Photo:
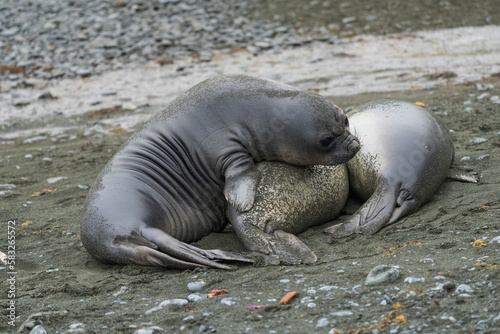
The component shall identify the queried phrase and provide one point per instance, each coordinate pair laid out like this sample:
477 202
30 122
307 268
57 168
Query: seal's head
314 131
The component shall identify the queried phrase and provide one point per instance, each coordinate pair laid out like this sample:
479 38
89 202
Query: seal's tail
154 247
386 205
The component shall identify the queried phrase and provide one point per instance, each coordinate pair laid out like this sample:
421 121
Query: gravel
54 38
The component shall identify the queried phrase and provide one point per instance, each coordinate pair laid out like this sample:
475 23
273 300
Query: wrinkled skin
174 179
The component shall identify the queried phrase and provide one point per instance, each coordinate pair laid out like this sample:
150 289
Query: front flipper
287 247
156 248
241 184
374 214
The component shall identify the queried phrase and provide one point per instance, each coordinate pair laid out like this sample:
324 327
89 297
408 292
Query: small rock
122 290
10 32
56 179
38 330
347 20
7 186
34 139
151 310
411 280
149 330
83 72
229 301
196 286
478 140
21 103
464 288
47 95
83 186
179 302
263 45
285 280
495 239
342 313
196 297
483 157
382 274
323 322
427 260
448 286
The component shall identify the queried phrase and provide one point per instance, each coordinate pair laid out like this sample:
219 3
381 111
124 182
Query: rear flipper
154 247
387 204
287 247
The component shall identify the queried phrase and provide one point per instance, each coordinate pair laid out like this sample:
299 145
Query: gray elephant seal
168 185
289 200
405 156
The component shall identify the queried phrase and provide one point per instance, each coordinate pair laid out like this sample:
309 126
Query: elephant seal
171 182
289 200
405 156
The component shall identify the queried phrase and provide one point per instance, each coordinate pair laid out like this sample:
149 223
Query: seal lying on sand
168 185
405 156
289 200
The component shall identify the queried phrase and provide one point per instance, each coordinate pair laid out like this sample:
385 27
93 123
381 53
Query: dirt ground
75 293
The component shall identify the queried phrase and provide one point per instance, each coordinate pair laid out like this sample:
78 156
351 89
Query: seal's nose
352 143
354 146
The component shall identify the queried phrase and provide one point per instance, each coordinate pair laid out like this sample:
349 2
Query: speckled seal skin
405 156
171 183
289 200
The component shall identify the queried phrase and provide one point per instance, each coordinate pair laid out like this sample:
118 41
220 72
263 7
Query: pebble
21 103
149 330
56 179
483 157
7 186
196 286
382 274
448 286
323 322
411 280
97 36
179 302
464 288
342 313
495 239
196 297
83 186
38 330
478 140
427 260
229 301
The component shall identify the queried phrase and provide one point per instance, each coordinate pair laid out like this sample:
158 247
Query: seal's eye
326 141
346 122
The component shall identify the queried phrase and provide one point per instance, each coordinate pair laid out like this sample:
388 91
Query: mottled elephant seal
289 200
168 185
405 156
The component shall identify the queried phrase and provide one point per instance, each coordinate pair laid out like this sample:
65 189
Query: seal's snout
352 144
